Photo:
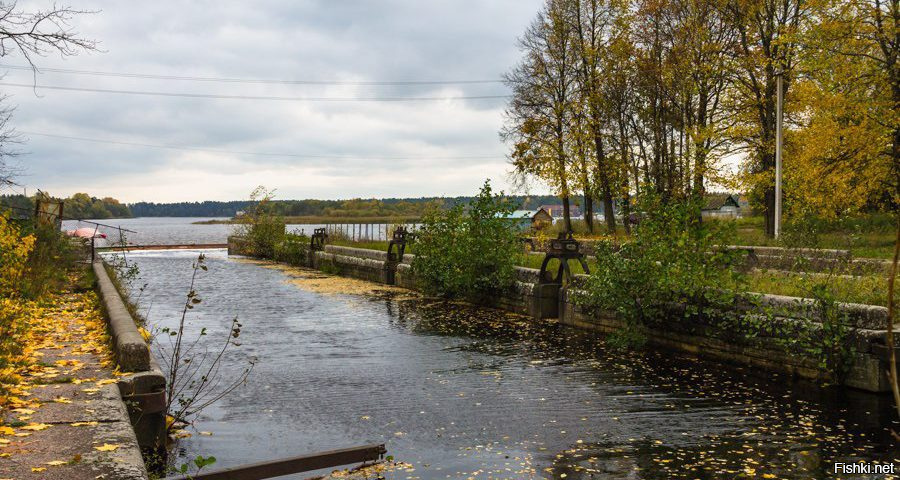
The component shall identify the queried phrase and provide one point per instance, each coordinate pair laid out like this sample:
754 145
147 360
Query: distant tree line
386 207
84 206
78 206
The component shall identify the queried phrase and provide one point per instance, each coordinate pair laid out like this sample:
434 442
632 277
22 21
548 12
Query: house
721 205
556 211
530 218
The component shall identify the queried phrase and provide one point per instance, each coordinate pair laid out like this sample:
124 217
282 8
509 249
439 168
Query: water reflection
458 391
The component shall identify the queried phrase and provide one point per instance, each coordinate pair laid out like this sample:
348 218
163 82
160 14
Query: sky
302 148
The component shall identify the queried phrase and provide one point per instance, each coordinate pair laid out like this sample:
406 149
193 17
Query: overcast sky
355 149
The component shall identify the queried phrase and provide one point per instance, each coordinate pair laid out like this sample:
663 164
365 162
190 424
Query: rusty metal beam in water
288 466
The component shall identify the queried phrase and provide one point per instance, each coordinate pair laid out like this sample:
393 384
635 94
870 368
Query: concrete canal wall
143 390
766 350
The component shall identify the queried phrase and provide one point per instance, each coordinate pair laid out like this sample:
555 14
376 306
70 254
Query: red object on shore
85 233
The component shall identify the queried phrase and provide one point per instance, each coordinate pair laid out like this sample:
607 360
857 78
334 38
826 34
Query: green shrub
54 256
261 226
673 258
468 251
292 249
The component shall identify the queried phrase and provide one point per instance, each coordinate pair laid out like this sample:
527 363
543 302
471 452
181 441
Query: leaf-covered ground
63 418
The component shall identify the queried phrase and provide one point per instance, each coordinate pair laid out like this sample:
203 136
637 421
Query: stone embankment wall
143 390
541 299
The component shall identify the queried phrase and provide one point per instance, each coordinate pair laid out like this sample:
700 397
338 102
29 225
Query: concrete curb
143 392
132 353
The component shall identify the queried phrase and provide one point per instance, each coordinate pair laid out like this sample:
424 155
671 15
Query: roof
520 214
556 211
715 201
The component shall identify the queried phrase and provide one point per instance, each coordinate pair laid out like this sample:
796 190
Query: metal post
779 114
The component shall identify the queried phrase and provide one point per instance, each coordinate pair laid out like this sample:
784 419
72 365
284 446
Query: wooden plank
288 466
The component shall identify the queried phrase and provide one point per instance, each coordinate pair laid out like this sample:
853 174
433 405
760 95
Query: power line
260 154
253 97
253 80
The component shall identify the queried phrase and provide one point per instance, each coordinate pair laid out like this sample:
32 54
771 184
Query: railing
288 466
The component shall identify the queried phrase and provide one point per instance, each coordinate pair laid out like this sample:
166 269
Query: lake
184 230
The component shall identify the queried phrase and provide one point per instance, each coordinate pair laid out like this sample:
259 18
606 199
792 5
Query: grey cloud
317 40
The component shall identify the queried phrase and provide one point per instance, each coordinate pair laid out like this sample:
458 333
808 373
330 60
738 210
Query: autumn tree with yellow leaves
14 251
621 97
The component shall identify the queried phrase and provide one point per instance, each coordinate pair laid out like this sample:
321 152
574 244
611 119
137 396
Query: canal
457 391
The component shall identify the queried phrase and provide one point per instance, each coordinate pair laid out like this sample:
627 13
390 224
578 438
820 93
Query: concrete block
132 353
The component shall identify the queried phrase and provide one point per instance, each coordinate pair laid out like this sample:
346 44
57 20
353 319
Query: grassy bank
864 236
322 220
871 290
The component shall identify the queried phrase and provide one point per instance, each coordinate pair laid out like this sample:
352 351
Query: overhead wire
251 80
251 97
262 154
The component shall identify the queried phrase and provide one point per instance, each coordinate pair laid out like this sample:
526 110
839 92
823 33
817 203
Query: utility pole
779 120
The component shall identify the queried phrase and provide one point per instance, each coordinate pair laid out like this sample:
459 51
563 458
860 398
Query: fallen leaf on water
107 447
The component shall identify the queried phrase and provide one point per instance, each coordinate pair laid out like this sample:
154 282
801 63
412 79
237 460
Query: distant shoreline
319 220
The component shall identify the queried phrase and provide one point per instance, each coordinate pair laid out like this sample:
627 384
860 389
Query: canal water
456 391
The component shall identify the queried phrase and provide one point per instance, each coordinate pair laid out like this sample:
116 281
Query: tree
847 153
703 40
767 33
591 22
539 114
32 34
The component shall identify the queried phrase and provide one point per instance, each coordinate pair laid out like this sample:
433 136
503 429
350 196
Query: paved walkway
66 419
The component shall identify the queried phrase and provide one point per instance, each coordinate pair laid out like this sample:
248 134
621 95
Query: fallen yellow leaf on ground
36 427
83 424
107 447
37 469
56 463
6 431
